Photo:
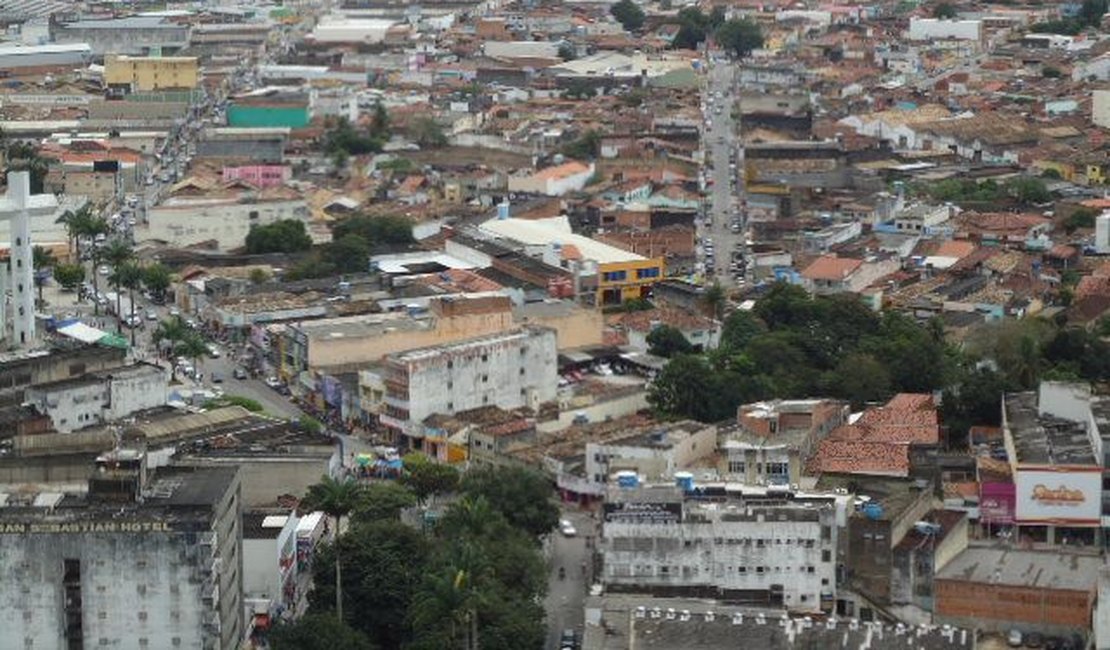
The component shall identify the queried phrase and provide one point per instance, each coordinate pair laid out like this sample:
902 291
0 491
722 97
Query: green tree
349 254
70 276
345 138
1092 11
382 501
715 300
522 496
740 37
860 378
42 261
566 52
309 424
693 28
282 236
426 132
739 329
666 341
379 122
128 276
1082 217
157 278
172 331
117 253
426 478
375 231
628 14
684 388
580 90
585 147
1028 190
259 276
317 632
24 156
944 11
336 499
382 563
192 346
975 400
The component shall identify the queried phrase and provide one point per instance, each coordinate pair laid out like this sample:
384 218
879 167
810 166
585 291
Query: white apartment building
509 370
97 398
756 545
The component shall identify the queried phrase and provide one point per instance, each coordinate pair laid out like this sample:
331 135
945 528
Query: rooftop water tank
873 511
628 479
684 480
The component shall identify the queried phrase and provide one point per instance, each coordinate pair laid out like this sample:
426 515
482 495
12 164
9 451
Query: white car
174 311
567 528
104 269
273 382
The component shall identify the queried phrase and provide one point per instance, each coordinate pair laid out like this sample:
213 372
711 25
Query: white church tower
21 280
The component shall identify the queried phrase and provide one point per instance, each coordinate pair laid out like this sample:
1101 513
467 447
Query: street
722 234
566 597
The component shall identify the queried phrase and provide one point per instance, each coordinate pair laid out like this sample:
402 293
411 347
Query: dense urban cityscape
554 325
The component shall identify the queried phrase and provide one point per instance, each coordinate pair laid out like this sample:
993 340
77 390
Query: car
174 311
133 320
1055 643
568 639
213 351
1034 640
1014 638
273 382
151 314
104 269
191 324
239 373
217 378
567 528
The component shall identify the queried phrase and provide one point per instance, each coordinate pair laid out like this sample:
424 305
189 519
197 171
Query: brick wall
1003 606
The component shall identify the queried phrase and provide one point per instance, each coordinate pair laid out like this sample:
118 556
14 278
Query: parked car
217 378
567 528
1014 638
568 639
239 373
1034 640
273 382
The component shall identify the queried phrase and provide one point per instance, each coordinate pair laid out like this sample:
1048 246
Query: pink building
259 175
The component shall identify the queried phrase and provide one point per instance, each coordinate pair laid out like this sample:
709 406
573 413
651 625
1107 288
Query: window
450 365
647 273
759 570
485 378
735 467
142 616
809 569
485 358
778 469
826 556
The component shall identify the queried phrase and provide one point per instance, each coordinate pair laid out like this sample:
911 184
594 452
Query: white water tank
1102 234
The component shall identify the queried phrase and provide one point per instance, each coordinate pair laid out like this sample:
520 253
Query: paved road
566 598
726 156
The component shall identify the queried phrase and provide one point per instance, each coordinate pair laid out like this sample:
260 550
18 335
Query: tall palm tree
116 254
43 260
715 300
192 346
335 498
173 330
454 595
77 223
130 277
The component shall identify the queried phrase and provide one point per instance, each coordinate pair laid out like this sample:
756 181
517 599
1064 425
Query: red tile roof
879 441
831 267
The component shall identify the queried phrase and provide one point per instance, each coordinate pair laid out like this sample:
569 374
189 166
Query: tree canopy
283 236
628 14
667 341
740 37
318 632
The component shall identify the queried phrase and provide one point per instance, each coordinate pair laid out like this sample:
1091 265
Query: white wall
137 391
928 29
505 378
1100 108
185 224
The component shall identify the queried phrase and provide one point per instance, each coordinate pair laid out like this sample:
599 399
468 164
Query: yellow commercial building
147 73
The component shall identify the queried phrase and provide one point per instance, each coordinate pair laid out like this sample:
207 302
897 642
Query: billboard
1063 496
643 513
996 503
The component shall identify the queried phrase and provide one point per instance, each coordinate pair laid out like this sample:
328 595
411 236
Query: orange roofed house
879 441
561 179
831 274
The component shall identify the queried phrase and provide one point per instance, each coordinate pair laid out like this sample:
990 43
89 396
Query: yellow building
147 73
627 280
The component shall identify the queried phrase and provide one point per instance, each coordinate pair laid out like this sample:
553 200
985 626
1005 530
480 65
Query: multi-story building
99 397
757 545
773 440
602 274
145 560
509 369
146 73
655 452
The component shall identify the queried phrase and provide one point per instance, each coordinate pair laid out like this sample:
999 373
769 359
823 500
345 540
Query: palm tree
129 276
43 260
335 498
173 330
715 300
453 595
116 254
77 225
192 346
157 279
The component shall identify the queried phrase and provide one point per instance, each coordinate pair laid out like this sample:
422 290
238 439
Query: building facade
509 370
110 569
97 398
146 73
718 541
